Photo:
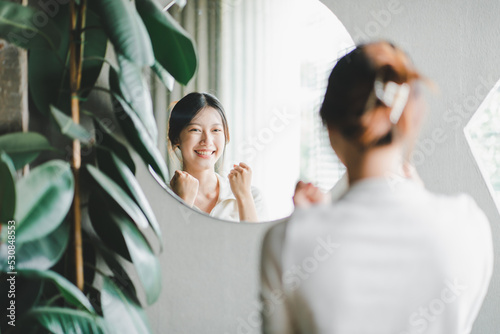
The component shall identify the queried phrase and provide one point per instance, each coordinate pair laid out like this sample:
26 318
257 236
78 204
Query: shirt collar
225 191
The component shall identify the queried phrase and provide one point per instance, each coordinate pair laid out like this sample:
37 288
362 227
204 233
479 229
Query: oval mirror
268 62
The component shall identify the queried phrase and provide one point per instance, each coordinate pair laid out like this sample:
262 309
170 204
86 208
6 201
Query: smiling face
202 140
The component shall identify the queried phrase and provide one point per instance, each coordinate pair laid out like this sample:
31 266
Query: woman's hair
187 108
351 104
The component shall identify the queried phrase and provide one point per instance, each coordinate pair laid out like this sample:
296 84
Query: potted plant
58 276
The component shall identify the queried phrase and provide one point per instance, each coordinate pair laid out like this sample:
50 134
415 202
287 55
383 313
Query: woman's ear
337 142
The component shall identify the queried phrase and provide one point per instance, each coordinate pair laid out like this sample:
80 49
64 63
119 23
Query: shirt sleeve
275 312
480 234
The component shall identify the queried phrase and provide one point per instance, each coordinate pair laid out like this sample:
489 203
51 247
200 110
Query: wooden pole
75 64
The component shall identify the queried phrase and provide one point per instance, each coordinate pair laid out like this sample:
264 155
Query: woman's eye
217 130
192 130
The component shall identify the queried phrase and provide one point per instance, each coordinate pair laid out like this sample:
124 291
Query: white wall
210 268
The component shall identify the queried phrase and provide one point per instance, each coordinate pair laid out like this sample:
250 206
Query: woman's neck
207 181
375 163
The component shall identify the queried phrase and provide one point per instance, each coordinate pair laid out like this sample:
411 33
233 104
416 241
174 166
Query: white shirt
386 258
227 207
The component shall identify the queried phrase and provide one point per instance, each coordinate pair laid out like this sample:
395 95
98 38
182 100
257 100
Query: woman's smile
204 154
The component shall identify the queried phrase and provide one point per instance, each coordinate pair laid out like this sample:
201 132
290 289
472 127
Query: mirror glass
268 62
484 138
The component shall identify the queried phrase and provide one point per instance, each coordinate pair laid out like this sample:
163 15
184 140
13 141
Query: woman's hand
185 186
240 179
306 195
410 172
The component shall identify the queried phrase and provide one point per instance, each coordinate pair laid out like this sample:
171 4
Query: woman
198 130
388 256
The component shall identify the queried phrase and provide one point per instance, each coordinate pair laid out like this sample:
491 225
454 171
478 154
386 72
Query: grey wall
210 267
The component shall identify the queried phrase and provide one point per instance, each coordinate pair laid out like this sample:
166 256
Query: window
483 135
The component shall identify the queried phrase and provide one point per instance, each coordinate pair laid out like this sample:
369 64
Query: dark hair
350 86
187 108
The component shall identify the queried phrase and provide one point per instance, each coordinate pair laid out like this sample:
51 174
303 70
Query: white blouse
388 257
227 206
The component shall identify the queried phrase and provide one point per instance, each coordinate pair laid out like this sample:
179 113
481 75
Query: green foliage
117 215
23 148
59 320
110 164
123 314
119 196
70 128
7 188
44 198
69 292
126 30
47 69
173 48
139 138
22 26
43 253
130 85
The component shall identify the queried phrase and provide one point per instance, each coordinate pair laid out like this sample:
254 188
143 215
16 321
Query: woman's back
388 257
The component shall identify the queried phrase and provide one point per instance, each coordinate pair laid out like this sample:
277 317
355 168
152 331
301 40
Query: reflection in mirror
268 62
482 134
198 135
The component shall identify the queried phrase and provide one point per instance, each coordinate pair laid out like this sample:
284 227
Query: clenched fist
240 179
185 186
307 195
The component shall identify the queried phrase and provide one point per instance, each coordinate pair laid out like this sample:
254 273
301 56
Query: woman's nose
207 138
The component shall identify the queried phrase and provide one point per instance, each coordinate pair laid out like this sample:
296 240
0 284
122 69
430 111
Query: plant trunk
75 63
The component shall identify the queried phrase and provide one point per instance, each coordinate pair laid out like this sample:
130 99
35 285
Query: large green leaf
138 137
7 188
166 78
23 147
48 69
106 138
27 27
173 48
119 196
120 276
129 83
145 262
121 313
96 42
59 320
41 253
43 200
100 210
125 30
47 72
69 291
137 248
110 164
70 128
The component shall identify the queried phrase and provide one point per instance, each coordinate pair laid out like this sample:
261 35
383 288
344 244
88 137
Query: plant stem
53 299
75 67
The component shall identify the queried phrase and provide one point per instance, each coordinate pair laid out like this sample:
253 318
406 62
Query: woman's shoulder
461 204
